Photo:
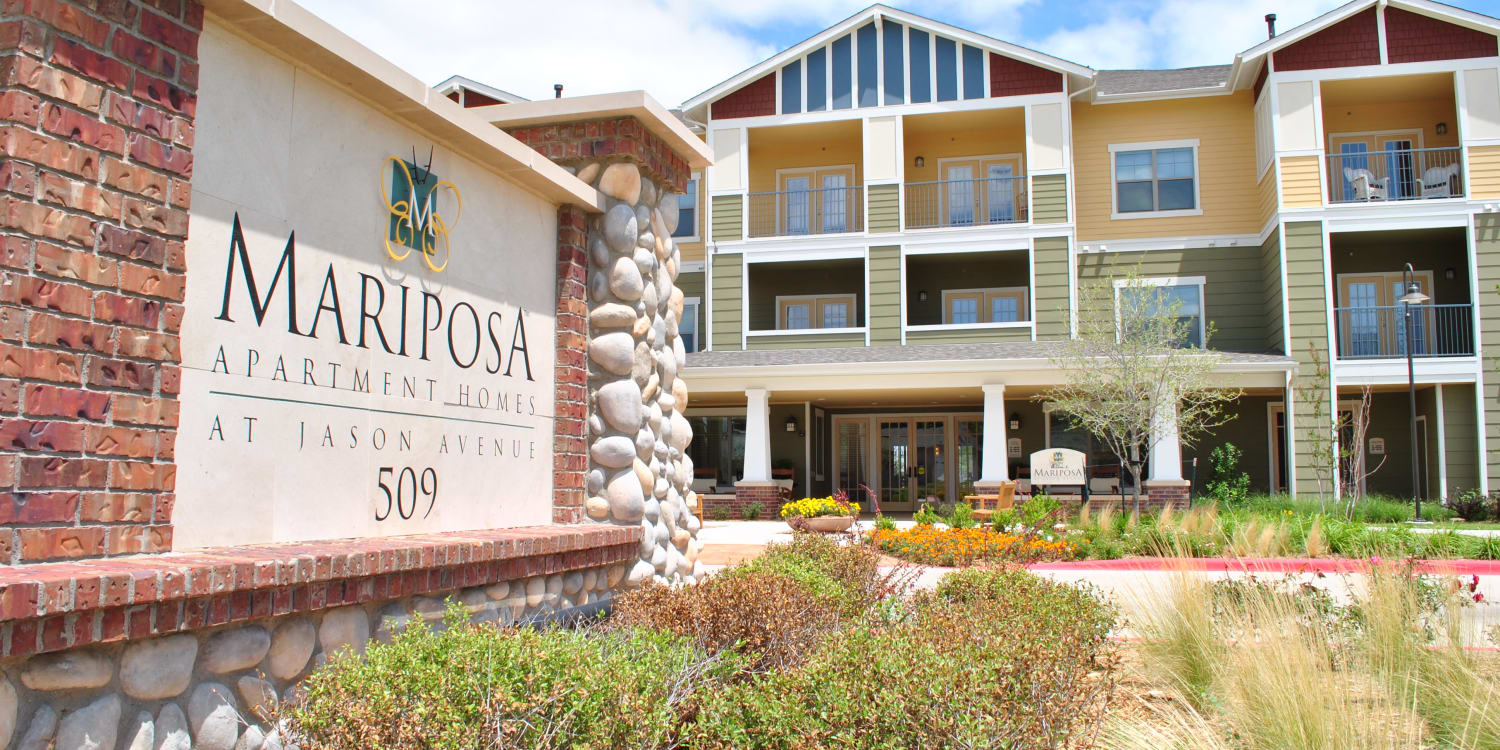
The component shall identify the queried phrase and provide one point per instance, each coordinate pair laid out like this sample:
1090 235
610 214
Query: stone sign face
1057 466
368 340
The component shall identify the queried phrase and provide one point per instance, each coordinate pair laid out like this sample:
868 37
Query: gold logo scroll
415 222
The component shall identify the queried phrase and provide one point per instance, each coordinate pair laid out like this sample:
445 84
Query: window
687 328
813 312
1185 294
998 305
687 211
1155 178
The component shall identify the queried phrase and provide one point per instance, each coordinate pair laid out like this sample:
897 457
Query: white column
757 435
993 467
1166 450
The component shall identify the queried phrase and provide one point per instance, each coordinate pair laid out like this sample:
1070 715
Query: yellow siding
933 147
1301 181
1225 129
1484 171
1378 116
1267 188
800 146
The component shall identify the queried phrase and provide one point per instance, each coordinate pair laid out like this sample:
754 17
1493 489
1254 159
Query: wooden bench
1005 500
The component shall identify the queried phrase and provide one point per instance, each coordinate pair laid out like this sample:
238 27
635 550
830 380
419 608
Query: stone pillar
757 436
994 463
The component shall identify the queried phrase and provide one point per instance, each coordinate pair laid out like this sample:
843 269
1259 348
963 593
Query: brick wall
1352 41
769 497
1413 37
751 100
1011 77
570 458
96 128
595 140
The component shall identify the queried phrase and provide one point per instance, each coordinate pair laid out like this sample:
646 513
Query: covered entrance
908 460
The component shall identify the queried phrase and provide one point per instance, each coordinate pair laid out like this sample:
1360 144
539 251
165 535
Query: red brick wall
1352 41
1413 37
578 142
1011 77
752 100
570 459
96 121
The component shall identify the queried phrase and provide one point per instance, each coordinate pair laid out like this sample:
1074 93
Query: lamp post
1413 296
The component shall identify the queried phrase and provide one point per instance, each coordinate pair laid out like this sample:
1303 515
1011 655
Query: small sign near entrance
1057 466
1013 447
1377 446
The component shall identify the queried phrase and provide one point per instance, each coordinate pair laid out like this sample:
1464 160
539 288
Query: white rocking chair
1366 187
1437 181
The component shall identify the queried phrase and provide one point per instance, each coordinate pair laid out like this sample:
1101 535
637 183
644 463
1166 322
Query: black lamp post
1413 296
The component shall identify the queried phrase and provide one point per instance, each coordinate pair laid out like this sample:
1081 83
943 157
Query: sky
675 49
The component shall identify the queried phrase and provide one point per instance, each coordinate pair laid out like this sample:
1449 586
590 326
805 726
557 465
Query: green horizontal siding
807 341
1307 307
968 336
1270 271
1487 255
1233 288
885 208
1460 438
1052 284
727 301
885 295
1049 199
728 218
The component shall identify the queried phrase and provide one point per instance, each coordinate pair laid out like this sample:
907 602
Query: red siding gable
1352 41
1413 37
752 100
1010 77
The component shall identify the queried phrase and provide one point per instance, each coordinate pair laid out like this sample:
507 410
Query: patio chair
1004 500
1366 187
1437 182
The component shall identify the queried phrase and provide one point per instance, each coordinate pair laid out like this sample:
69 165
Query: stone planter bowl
825 524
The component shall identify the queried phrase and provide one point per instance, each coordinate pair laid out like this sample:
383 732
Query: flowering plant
836 504
929 545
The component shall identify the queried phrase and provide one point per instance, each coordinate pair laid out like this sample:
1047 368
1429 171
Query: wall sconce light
1015 421
922 296
1442 128
921 162
791 424
1450 274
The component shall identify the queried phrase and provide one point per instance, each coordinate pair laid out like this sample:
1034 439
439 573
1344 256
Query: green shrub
847 573
1229 484
1473 505
992 659
719 513
884 523
926 516
1039 511
454 688
751 511
962 516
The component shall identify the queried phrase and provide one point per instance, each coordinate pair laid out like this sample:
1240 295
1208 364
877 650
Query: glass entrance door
913 463
895 466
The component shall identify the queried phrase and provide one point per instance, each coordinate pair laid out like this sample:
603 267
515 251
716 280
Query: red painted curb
1266 565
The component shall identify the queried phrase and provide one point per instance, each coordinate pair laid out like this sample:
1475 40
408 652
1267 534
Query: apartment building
901 212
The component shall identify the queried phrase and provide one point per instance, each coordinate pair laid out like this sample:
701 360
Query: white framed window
810 312
687 212
1185 292
687 328
994 305
1154 179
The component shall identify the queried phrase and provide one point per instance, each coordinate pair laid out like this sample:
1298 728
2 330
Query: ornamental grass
930 545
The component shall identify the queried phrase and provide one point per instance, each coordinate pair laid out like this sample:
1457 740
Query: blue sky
677 48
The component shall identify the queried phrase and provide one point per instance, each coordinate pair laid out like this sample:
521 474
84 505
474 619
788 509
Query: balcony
966 203
804 211
1381 332
1395 175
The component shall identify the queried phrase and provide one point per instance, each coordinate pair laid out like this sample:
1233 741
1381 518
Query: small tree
1133 356
1322 430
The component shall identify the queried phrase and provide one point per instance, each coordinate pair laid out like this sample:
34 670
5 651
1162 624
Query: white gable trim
874 12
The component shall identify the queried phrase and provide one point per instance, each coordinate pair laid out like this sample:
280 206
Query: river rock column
639 471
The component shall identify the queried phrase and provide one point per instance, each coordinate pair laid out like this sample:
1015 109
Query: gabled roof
1247 63
1066 67
455 83
1180 80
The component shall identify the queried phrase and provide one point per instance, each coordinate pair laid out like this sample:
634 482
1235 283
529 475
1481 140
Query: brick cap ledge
45 589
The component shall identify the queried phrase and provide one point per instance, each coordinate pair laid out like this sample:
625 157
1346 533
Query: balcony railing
816 211
965 203
1399 175
1380 332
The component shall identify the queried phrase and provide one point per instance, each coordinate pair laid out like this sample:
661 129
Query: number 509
407 489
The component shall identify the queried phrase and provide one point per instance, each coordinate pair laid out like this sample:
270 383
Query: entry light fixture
1450 273
921 162
1442 128
922 296
1015 421
791 423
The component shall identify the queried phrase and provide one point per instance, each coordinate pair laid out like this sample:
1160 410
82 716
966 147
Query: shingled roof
1004 351
1122 82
